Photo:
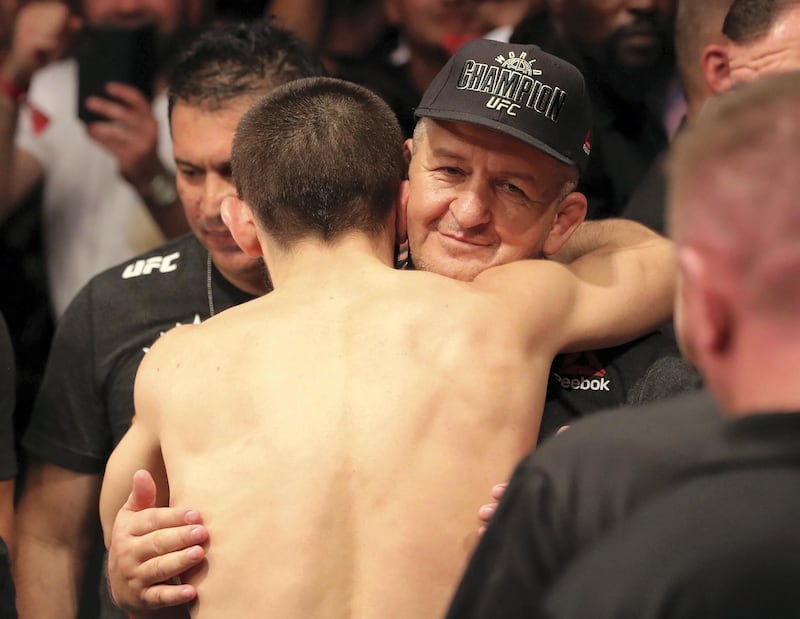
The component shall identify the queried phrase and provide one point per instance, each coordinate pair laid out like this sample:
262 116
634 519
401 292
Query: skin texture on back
371 426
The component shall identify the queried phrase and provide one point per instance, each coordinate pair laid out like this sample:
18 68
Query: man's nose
470 209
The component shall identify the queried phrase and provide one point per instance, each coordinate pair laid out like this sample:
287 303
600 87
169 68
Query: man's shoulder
615 459
666 429
162 275
173 257
651 421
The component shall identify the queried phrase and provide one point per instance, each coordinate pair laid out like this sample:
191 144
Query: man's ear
570 213
402 210
408 148
707 320
238 217
715 69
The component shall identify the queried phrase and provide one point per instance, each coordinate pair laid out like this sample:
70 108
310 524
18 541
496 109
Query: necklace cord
209 289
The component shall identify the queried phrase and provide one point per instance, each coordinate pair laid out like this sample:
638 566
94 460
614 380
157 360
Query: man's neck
312 258
256 282
758 382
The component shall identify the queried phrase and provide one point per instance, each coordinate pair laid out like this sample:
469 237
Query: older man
667 435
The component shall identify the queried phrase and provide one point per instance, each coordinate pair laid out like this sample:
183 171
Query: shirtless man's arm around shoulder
612 281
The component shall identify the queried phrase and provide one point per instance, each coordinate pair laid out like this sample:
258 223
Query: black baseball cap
519 90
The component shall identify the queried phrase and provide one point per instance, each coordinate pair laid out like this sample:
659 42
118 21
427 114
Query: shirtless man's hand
150 547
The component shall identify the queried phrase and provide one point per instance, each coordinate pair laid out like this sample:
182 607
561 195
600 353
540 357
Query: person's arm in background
56 524
42 33
130 135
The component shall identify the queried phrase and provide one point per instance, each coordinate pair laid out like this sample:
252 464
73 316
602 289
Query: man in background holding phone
108 186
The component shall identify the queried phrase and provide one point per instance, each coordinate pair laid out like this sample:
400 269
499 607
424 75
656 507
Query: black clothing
25 305
8 454
723 544
389 80
646 369
85 404
626 134
573 489
648 202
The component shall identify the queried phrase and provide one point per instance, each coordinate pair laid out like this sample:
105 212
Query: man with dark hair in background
625 50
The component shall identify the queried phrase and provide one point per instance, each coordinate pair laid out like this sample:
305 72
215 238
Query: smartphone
106 54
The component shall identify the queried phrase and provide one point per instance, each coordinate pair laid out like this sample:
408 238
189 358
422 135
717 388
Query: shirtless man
376 379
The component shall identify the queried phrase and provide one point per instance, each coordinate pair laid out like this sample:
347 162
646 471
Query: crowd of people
338 263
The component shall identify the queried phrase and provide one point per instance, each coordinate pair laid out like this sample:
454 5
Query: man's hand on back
149 547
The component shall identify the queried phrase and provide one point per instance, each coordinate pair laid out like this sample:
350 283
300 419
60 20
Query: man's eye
188 173
451 171
512 188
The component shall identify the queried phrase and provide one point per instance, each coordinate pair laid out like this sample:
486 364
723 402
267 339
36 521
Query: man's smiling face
478 198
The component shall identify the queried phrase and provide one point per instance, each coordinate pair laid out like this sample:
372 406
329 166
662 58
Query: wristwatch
163 191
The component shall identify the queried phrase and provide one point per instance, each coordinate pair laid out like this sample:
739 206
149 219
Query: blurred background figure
396 47
625 50
702 60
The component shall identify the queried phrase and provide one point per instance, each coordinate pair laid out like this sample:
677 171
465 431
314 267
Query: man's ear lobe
239 218
570 213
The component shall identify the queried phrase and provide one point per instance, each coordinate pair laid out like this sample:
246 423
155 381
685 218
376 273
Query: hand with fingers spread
487 510
149 548
130 133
